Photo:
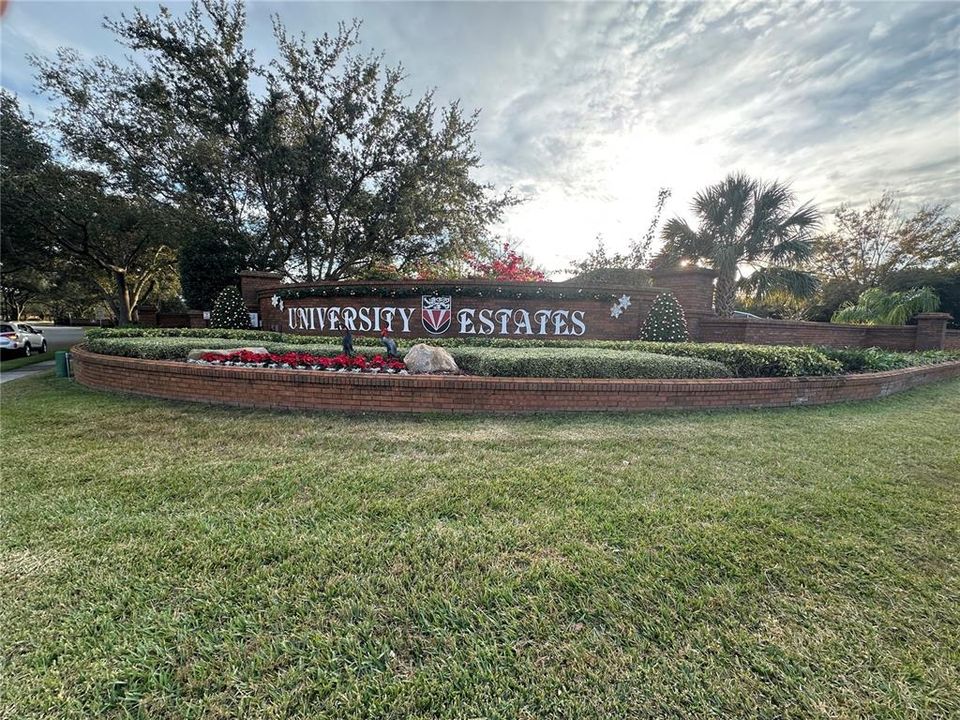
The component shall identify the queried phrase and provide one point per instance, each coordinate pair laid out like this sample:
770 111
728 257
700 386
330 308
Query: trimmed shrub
229 311
755 360
865 360
177 348
665 322
137 332
513 362
581 363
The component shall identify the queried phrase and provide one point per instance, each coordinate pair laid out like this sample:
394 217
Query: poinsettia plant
304 360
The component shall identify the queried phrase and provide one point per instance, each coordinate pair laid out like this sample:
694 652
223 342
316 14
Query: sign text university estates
416 310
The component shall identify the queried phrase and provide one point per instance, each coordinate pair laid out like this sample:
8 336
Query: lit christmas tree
229 310
666 321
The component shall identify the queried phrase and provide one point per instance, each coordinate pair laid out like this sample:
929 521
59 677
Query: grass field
176 561
19 362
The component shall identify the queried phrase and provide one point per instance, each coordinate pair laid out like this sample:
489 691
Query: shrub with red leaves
508 264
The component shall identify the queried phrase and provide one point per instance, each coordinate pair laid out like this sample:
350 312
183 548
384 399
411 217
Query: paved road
59 337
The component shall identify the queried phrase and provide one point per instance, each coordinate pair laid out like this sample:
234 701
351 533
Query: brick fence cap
934 316
688 270
463 282
260 274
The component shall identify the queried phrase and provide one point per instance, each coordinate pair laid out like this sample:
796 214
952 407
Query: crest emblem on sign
437 312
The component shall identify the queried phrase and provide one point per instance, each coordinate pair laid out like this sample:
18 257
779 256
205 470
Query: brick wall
303 390
252 283
596 313
791 332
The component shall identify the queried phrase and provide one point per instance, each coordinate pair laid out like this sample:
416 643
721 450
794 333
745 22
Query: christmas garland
550 292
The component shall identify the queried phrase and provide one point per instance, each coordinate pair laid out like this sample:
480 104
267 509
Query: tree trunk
123 299
726 294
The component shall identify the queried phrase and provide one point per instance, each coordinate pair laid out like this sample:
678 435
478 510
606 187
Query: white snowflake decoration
619 306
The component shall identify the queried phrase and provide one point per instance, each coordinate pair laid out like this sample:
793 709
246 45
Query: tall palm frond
876 306
770 280
743 221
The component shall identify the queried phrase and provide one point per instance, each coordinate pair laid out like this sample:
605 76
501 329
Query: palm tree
745 223
879 307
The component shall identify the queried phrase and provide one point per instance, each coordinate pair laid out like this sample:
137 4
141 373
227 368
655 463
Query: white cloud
879 31
589 108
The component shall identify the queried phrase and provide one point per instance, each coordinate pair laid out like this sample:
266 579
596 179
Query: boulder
423 358
195 354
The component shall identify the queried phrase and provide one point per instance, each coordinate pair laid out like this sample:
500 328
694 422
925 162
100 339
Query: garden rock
429 359
197 354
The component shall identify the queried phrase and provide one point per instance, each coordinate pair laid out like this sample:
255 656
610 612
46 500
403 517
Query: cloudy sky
589 108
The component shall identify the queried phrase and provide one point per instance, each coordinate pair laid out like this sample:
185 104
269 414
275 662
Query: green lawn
19 362
177 561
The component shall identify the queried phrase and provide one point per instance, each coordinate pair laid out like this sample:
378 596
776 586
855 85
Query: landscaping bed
575 362
598 358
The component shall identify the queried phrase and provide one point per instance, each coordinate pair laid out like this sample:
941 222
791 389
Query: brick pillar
252 282
693 287
932 330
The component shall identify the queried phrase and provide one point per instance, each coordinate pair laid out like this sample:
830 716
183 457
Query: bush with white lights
666 321
229 310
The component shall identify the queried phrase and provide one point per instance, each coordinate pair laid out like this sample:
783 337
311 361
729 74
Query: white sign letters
436 318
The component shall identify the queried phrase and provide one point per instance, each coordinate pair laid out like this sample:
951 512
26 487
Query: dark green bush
860 360
157 348
581 363
864 360
137 332
754 360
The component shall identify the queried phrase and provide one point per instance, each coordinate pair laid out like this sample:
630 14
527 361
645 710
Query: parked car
21 339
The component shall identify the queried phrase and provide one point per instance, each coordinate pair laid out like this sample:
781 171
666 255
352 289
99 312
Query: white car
20 338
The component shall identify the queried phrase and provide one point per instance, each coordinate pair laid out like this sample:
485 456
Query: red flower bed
377 363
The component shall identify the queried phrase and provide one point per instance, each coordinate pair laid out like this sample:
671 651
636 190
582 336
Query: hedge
742 360
499 362
581 363
177 348
865 360
141 332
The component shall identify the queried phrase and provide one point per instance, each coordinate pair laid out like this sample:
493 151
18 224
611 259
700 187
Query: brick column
693 287
932 330
252 282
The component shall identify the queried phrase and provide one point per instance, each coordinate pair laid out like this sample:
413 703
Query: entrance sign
436 317
468 309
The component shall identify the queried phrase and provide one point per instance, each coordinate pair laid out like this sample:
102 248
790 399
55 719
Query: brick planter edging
305 390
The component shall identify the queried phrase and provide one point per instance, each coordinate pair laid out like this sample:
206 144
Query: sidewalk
28 370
